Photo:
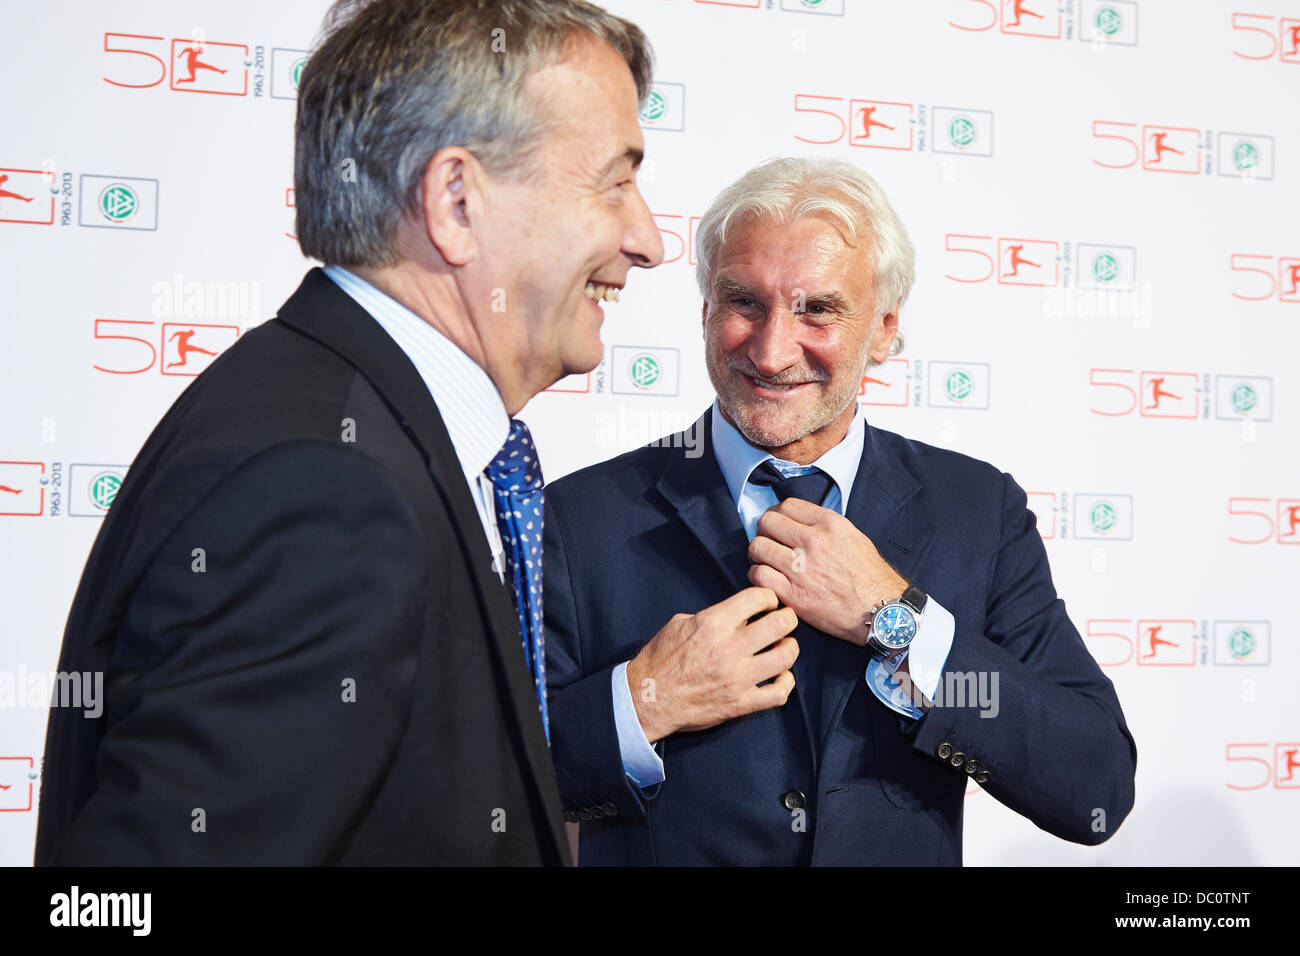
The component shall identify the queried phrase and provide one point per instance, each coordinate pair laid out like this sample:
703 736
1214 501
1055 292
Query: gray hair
789 189
394 81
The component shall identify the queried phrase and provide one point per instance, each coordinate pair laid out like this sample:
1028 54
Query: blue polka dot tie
516 477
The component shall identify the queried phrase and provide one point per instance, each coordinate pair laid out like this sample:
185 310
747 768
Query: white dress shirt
467 400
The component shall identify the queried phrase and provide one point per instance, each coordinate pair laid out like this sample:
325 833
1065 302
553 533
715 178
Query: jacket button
972 766
610 809
571 816
957 759
793 800
982 776
597 811
944 751
584 814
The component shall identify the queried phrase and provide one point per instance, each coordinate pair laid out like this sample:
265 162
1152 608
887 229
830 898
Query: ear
450 199
884 335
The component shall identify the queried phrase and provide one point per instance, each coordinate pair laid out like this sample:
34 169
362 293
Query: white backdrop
1103 195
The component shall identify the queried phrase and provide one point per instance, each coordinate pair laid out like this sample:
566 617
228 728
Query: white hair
789 189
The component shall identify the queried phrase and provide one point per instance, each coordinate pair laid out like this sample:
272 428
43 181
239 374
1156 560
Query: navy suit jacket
634 540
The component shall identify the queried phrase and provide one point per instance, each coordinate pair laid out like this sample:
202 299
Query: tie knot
515 467
814 486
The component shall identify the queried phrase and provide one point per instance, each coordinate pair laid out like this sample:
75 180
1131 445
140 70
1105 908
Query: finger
772 662
804 512
781 527
767 630
770 695
743 605
768 577
764 550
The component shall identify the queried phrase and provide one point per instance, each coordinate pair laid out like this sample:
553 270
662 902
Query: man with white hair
930 650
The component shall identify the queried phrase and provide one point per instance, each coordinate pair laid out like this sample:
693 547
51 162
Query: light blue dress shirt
737 459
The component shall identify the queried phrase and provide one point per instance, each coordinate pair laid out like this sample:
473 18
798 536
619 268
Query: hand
703 669
821 565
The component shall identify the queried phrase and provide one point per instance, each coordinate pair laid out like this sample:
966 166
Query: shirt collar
738 458
468 401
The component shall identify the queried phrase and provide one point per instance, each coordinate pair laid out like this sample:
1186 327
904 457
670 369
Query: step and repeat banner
1105 200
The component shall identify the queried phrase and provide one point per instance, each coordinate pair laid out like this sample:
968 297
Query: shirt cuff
926 657
642 765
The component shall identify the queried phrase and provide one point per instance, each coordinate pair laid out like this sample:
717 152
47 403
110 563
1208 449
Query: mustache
788 377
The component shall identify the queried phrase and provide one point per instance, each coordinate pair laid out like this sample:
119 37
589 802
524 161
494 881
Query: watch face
894 626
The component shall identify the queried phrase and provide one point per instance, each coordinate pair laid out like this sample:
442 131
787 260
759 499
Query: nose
774 343
642 242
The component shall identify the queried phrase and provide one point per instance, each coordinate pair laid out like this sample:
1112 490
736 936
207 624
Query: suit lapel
878 507
323 311
696 488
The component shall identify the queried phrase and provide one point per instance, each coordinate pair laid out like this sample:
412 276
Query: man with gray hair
931 649
317 597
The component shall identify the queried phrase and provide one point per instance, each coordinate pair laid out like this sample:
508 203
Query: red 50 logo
1265 520
1033 18
184 348
1161 149
1150 643
1282 280
678 245
882 124
1011 261
1278 764
195 64
1264 37
1123 391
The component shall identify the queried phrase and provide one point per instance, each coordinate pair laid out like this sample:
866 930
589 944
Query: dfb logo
643 371
118 202
1105 267
665 107
1109 21
286 71
1242 643
1243 396
1245 155
961 131
828 8
958 385
1103 516
92 489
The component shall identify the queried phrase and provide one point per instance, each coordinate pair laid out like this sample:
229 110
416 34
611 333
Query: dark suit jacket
327 564
634 540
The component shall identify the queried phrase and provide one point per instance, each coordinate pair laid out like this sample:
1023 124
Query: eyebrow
725 286
631 155
831 300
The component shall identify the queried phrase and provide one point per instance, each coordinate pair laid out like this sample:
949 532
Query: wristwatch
890 629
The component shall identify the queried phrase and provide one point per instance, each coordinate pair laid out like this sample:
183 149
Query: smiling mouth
773 386
600 292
